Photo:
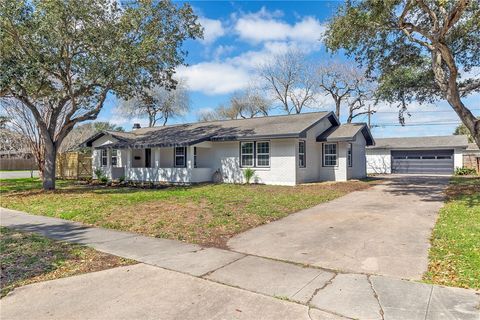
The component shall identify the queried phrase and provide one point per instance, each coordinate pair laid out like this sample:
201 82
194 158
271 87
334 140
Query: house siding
282 162
358 170
311 172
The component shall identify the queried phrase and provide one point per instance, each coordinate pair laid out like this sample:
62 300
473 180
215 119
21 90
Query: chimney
136 126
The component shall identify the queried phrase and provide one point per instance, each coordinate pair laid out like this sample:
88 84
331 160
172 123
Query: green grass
27 258
455 252
208 214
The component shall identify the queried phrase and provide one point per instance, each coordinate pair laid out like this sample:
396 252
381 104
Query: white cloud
213 29
261 26
214 77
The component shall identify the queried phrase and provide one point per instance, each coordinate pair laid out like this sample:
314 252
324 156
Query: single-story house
283 150
423 155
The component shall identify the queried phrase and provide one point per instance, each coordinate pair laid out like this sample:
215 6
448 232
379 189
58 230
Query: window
330 154
246 154
104 157
428 157
180 156
114 158
349 155
194 157
263 154
444 157
148 158
301 154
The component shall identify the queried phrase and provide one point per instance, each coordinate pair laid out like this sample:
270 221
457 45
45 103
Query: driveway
382 230
18 174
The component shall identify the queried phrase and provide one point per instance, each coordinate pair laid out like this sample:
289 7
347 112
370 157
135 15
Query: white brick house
283 150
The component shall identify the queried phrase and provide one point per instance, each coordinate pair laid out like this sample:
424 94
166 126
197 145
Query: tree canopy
61 58
416 49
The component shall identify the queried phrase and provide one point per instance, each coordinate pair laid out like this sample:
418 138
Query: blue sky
241 35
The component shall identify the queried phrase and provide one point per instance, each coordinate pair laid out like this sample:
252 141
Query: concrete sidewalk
328 293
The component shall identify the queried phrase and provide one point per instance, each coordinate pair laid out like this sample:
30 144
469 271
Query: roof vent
136 126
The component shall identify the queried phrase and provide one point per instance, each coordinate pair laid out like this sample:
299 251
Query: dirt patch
29 258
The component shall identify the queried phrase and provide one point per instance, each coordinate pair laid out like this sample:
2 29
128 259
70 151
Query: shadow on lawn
63 231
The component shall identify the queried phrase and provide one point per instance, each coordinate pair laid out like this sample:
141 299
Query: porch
185 164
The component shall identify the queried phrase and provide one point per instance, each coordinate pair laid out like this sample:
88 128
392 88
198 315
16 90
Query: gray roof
453 141
473 147
347 132
285 126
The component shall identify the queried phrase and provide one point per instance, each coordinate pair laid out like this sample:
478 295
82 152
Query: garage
422 161
421 155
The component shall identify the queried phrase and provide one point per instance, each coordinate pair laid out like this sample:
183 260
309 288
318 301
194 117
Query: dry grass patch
27 258
207 214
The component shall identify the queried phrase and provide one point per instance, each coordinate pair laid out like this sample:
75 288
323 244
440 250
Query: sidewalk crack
382 313
227 264
321 288
428 304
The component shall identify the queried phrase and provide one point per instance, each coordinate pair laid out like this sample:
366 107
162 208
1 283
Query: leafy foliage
61 59
465 171
248 173
417 50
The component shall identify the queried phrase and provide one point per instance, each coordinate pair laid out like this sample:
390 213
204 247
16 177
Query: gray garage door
424 161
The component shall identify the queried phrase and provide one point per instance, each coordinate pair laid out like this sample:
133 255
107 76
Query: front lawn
207 214
28 258
455 252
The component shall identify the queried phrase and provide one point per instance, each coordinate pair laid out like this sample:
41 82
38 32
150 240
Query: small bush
104 179
465 171
248 174
121 179
98 173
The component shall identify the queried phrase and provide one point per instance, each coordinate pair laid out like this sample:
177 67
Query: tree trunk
337 108
50 166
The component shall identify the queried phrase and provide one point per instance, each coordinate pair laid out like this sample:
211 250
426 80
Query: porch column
109 163
190 157
128 164
342 174
156 157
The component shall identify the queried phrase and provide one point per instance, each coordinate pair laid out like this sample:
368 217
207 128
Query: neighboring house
424 155
283 150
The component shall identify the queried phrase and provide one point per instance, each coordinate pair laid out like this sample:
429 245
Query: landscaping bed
27 258
207 214
455 252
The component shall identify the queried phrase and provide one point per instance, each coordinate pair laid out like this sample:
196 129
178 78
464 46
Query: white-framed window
246 154
115 156
349 155
104 157
301 154
329 154
194 157
263 154
180 157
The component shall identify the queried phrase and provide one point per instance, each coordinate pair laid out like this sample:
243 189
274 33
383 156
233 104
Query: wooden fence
17 164
74 165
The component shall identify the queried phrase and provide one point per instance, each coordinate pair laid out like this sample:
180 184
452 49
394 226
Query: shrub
248 174
121 179
104 179
98 173
465 171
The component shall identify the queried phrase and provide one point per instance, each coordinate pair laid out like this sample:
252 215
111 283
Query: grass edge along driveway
454 257
207 214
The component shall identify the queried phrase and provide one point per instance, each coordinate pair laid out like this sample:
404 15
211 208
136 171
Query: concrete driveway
382 230
19 174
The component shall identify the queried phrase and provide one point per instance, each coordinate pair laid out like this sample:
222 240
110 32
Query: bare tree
347 86
248 103
24 124
290 79
84 131
158 104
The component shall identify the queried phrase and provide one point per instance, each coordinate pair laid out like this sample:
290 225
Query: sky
241 35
